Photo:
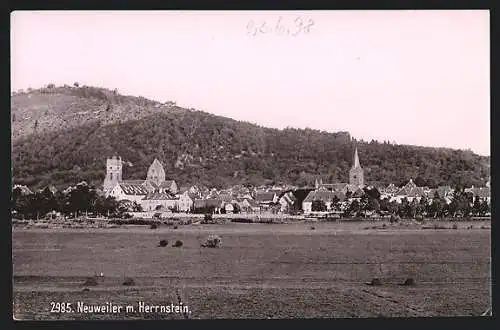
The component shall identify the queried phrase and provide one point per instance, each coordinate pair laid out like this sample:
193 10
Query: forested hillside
197 147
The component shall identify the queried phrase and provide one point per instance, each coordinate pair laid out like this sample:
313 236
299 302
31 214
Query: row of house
156 192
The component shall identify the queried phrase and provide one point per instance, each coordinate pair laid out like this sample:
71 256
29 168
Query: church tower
156 173
113 172
356 177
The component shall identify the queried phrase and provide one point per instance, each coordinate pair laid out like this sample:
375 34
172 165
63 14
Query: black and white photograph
316 164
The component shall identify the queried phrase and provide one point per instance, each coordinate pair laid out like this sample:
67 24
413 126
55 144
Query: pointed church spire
356 159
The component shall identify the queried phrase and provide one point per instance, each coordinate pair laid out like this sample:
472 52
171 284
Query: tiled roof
213 202
158 196
264 196
416 192
323 195
289 198
133 189
133 181
225 197
334 186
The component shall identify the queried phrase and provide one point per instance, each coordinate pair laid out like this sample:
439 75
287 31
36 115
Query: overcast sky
413 77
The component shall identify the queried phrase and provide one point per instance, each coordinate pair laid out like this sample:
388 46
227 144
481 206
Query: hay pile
163 243
408 282
375 282
212 241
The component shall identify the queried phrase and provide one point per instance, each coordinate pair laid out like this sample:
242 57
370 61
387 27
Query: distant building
159 202
154 190
324 195
24 190
356 175
356 179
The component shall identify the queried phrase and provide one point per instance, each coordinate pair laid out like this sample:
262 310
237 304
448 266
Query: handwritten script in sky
280 27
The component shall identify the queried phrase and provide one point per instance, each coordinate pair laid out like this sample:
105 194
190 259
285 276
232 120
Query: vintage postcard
250 164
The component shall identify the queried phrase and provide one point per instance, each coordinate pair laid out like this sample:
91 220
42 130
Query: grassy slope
79 127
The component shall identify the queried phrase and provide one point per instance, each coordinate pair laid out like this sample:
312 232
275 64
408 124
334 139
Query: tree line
75 201
198 147
463 204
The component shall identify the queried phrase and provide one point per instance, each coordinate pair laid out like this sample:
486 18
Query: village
160 197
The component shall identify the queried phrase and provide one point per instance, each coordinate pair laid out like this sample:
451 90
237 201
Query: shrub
454 226
242 220
91 281
212 241
177 243
313 228
208 217
408 282
375 282
175 227
163 243
153 226
419 218
394 218
129 282
127 216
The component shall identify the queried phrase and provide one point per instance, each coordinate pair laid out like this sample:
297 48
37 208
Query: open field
261 271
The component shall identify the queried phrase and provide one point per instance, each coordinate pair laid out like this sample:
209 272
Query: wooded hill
62 135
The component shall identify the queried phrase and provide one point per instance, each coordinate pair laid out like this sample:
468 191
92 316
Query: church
327 191
155 189
356 179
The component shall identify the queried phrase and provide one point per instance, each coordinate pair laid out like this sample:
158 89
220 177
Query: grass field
261 271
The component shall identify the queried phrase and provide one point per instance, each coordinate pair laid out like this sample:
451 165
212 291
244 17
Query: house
229 208
186 201
24 190
215 203
167 186
244 205
483 194
416 193
155 180
410 191
206 205
225 197
389 191
324 195
253 206
265 198
287 201
158 201
50 188
330 186
445 191
405 190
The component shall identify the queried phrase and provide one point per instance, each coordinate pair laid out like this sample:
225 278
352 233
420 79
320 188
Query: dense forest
198 147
